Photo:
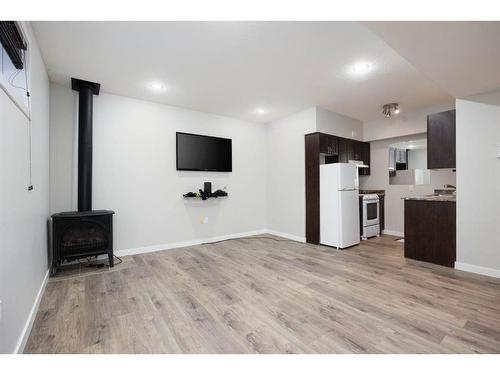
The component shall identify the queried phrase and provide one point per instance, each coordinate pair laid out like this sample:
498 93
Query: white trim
23 339
477 269
292 237
393 233
175 245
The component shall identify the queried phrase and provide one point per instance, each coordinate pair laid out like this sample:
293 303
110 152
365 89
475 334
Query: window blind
13 42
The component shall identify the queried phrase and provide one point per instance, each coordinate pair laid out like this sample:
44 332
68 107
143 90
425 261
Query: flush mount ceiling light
361 68
390 109
157 86
261 111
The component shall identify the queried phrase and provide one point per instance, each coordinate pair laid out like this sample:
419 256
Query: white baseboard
477 269
23 339
393 233
175 245
292 237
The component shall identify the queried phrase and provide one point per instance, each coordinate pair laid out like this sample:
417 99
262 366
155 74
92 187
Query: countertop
433 198
378 192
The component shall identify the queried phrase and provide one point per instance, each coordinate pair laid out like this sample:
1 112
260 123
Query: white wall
286 204
134 170
478 184
342 126
23 222
379 180
406 123
63 143
417 159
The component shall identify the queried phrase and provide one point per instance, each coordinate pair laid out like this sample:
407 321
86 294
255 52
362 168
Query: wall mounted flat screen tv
203 153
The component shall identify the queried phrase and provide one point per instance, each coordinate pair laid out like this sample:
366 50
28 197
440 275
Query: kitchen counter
433 198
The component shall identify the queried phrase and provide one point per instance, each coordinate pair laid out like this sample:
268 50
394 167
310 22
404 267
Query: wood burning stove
85 232
81 234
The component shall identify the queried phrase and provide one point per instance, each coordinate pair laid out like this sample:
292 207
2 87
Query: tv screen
203 153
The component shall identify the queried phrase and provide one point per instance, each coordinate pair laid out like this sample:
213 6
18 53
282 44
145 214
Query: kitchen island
430 229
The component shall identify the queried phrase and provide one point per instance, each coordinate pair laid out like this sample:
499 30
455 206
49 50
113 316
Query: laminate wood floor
262 295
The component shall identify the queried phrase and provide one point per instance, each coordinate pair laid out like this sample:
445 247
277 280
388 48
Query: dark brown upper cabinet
348 150
441 140
328 144
362 152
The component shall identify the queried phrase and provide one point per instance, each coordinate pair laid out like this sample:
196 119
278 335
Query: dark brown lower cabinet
430 231
381 198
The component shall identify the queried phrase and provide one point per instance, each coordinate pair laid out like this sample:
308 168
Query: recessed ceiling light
361 68
261 111
157 86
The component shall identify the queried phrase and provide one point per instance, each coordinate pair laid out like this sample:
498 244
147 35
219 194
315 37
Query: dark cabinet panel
441 140
328 144
343 150
351 150
312 151
362 152
356 152
381 198
430 231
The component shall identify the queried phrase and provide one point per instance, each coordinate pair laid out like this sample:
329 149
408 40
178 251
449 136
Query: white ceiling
461 57
231 68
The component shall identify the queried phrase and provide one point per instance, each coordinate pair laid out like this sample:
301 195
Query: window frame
4 84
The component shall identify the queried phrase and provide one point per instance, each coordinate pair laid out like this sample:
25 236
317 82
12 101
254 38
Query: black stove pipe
85 111
85 150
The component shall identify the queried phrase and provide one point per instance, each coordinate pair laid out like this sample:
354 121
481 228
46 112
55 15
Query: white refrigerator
339 205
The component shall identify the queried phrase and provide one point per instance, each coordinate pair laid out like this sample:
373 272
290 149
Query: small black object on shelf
207 188
204 196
